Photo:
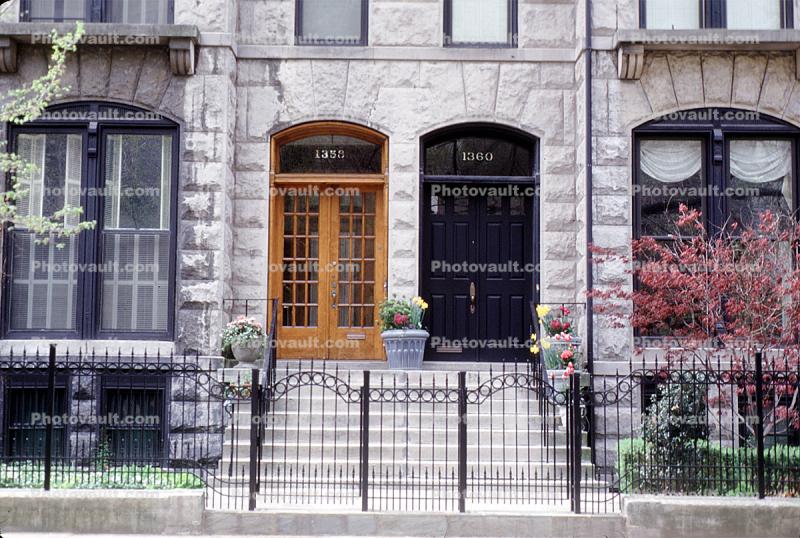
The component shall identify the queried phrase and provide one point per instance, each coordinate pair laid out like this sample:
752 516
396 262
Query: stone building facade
229 74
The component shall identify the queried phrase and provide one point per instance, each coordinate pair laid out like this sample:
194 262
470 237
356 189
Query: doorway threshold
382 365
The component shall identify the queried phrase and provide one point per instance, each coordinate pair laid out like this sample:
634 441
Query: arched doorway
328 239
479 217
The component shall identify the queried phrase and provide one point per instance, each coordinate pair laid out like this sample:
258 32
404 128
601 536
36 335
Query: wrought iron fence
686 424
427 441
91 421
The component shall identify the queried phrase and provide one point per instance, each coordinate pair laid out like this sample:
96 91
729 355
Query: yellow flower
535 349
424 305
533 337
546 344
542 311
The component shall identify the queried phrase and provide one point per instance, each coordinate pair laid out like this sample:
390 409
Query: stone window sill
181 40
137 348
631 45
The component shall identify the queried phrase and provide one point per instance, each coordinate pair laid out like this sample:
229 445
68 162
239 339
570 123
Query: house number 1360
330 154
477 156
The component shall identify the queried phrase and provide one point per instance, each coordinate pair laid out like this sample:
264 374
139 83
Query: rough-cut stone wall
10 11
404 100
204 105
765 82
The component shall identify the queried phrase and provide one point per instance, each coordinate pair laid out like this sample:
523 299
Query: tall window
731 14
480 23
116 279
119 11
331 22
729 167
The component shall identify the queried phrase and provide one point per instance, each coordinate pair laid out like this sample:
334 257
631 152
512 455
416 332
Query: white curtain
671 161
480 21
753 14
672 14
763 161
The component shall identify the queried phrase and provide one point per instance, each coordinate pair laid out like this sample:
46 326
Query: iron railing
396 440
686 424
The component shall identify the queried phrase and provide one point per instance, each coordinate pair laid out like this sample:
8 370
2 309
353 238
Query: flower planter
405 348
247 354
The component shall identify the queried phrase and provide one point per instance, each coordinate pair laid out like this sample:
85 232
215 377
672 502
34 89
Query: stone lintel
181 40
629 43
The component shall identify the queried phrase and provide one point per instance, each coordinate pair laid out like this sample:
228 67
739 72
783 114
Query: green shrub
31 475
715 470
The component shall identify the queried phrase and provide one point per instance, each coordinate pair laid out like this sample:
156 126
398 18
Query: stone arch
134 75
760 81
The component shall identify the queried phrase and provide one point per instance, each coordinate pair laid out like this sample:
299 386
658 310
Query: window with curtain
753 14
138 11
117 279
136 237
760 178
118 11
731 14
673 14
670 174
331 22
479 22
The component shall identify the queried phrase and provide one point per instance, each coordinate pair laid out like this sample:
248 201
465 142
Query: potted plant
402 333
560 347
245 336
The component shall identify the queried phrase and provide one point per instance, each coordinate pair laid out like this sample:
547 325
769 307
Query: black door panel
482 245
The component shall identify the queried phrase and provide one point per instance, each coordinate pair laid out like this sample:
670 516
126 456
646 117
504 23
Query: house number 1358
330 154
477 156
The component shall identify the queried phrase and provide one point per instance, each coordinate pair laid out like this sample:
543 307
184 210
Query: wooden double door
479 276
328 268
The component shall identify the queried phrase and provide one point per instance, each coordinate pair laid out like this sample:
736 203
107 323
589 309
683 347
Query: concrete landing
389 524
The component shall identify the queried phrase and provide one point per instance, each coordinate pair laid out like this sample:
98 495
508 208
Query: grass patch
31 475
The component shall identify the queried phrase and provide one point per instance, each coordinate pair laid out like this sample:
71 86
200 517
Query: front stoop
386 524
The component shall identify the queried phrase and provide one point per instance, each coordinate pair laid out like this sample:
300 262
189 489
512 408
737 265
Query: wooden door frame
379 182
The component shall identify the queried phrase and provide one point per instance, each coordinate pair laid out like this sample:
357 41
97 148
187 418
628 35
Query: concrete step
351 465
386 419
399 450
313 402
417 435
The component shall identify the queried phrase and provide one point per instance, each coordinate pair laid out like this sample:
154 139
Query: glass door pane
301 260
356 260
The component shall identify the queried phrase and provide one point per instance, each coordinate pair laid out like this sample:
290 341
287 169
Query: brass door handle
334 287
472 298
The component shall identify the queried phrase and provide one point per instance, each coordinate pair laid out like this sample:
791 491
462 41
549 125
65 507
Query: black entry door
478 276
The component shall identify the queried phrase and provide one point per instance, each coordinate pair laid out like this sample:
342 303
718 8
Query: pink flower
400 320
569 371
567 354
